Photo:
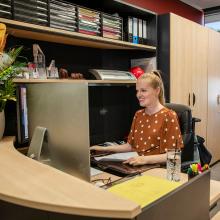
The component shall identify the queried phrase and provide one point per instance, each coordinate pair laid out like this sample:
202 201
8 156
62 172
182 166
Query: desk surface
214 191
159 172
214 185
216 217
26 182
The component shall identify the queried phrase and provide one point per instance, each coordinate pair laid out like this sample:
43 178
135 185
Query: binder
22 115
135 31
144 31
128 29
140 31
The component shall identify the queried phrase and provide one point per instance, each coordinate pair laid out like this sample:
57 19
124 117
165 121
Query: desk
160 172
214 198
216 217
26 182
214 192
214 185
30 189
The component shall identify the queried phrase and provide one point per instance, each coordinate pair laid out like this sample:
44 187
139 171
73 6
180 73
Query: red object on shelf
137 71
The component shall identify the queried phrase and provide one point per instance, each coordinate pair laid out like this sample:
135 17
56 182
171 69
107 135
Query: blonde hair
155 81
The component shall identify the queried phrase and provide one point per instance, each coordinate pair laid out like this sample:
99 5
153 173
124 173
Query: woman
154 128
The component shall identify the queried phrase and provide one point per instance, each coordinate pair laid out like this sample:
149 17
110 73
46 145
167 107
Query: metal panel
62 108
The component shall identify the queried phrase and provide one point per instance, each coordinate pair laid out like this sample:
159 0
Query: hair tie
157 73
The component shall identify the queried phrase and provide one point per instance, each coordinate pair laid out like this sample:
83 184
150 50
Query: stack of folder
62 15
5 9
111 26
31 11
88 21
135 30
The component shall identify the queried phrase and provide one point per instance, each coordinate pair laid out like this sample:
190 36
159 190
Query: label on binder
135 30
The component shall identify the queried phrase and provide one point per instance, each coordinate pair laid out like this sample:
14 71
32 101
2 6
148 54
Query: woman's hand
135 161
114 148
151 159
97 148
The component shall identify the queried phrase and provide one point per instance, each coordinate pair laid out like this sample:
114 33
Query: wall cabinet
187 67
193 71
213 137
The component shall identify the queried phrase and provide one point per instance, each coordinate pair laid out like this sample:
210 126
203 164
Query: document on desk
144 190
94 171
118 156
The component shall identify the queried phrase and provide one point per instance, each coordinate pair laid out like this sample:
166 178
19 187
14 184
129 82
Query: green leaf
9 69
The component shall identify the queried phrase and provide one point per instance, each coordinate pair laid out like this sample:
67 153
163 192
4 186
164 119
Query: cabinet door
198 72
180 59
188 67
213 135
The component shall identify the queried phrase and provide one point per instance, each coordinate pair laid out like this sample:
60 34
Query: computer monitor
61 108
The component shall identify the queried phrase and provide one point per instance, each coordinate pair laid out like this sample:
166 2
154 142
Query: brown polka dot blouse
152 134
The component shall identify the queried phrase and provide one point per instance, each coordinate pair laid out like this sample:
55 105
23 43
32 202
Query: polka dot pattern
152 134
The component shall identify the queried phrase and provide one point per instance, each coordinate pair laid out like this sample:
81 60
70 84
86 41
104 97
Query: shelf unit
75 81
38 32
78 52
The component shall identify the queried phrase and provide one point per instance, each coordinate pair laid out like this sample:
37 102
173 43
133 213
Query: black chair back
186 126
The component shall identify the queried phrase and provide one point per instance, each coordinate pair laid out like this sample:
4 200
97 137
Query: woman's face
146 94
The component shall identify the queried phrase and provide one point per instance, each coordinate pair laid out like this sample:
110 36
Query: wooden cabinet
213 137
199 77
187 67
193 70
180 60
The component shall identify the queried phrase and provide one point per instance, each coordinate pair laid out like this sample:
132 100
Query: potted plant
9 69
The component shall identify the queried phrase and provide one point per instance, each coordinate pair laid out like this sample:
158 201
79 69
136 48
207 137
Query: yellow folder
144 190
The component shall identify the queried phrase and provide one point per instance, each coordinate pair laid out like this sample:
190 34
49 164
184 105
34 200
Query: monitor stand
39 145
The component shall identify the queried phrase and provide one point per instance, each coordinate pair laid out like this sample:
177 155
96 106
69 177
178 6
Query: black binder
128 29
140 31
144 31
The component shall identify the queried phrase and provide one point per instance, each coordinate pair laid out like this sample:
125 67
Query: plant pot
2 123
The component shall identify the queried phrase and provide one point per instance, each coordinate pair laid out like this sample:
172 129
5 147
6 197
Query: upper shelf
38 32
89 82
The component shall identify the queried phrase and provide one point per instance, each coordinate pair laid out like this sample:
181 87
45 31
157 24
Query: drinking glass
173 164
